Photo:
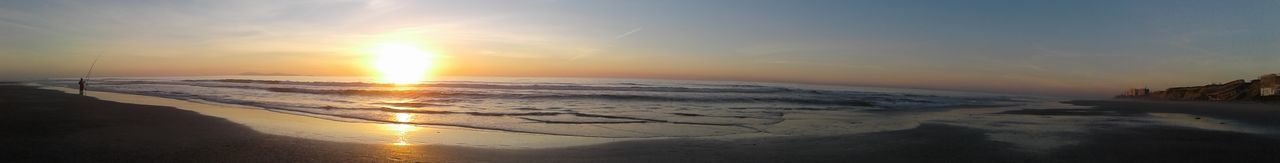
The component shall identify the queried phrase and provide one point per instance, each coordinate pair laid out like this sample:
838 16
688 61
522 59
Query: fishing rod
95 62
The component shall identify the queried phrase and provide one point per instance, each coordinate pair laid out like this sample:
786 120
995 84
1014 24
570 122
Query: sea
582 107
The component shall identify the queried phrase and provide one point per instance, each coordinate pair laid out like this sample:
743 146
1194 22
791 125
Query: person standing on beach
81 86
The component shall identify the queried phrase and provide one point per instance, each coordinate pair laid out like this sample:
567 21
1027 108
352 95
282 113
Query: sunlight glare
404 117
401 131
402 63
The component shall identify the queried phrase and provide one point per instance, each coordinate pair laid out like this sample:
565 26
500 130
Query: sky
1078 48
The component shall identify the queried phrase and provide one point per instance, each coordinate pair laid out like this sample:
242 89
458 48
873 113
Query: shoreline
51 126
871 122
1263 114
304 126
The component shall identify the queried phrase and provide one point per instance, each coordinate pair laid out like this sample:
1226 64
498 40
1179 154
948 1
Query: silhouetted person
81 86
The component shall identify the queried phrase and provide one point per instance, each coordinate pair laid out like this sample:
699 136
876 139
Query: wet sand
1162 143
39 125
1253 113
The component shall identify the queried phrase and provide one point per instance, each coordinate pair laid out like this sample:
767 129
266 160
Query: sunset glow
831 42
402 63
639 81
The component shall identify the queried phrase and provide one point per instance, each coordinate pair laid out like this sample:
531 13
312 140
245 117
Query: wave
521 86
610 97
662 94
530 107
834 100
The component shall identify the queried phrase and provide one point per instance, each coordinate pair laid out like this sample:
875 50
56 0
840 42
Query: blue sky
1069 48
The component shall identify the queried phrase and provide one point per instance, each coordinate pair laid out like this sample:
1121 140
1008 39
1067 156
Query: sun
402 63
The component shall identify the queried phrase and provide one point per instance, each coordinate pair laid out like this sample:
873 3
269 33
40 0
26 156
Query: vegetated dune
1238 90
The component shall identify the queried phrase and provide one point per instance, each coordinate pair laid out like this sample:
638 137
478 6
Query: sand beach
44 125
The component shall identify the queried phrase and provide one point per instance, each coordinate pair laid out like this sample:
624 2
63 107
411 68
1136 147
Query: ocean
583 107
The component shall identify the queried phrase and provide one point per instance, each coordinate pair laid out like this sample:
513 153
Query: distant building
1269 85
1135 92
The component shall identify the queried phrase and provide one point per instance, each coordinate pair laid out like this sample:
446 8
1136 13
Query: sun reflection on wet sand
400 149
401 130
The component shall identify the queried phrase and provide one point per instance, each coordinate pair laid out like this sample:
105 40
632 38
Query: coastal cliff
1238 90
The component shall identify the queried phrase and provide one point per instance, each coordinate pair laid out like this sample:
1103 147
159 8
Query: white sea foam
619 108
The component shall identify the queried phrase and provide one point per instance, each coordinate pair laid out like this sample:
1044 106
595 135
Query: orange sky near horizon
1023 48
460 64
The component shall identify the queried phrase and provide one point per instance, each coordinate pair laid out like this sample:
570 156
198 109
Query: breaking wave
618 107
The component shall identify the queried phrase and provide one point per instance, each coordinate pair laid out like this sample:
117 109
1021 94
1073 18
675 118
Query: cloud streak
628 33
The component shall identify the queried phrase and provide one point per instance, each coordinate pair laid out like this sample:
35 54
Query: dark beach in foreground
39 125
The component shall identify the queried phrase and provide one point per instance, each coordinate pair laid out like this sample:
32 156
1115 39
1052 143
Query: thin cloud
628 33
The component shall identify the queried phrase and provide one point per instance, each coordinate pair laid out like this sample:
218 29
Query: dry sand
39 125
